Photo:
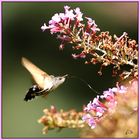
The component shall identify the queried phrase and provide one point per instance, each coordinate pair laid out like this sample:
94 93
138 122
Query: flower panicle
53 118
107 103
69 27
94 46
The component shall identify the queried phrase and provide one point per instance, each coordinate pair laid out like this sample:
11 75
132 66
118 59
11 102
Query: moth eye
60 78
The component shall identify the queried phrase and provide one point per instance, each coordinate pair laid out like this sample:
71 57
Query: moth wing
37 74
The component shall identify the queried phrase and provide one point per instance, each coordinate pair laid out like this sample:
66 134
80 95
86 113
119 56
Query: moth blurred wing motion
44 83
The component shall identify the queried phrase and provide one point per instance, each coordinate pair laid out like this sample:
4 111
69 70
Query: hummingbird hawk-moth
44 83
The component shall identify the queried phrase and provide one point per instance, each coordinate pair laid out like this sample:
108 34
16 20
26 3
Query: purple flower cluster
69 26
95 110
60 23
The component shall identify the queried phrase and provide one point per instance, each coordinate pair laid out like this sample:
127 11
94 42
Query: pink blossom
62 16
96 106
81 55
89 120
55 19
56 29
94 29
88 107
91 22
97 103
69 13
114 89
91 25
66 7
44 27
108 95
92 123
78 14
122 89
100 111
86 116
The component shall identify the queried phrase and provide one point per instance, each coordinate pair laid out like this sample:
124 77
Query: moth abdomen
32 92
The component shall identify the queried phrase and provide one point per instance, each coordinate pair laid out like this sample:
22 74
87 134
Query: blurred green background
22 36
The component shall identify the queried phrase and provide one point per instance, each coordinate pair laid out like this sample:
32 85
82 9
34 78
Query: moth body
44 83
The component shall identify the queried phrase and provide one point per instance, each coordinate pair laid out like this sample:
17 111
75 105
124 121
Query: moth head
59 80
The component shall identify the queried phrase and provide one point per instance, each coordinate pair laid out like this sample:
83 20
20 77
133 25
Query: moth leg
42 92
